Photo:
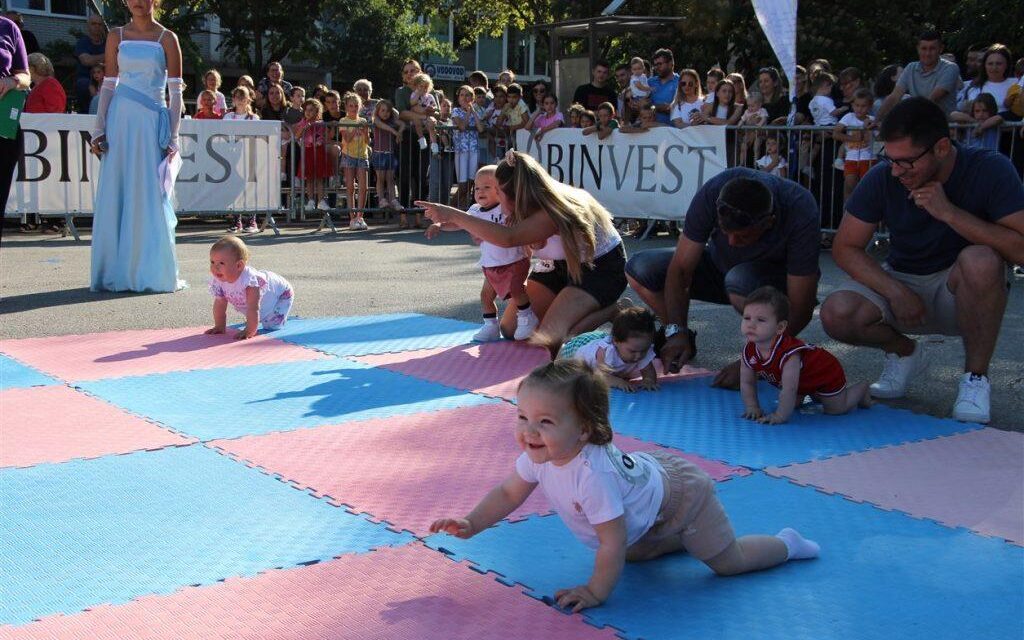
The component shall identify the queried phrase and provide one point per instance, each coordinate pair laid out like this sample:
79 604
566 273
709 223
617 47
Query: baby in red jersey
797 368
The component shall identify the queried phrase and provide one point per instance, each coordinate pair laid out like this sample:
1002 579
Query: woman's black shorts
604 281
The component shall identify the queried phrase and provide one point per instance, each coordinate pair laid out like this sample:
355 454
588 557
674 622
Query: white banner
778 19
231 165
635 175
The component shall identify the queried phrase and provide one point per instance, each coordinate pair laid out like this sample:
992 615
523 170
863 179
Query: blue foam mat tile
881 574
229 403
366 335
83 533
14 375
693 416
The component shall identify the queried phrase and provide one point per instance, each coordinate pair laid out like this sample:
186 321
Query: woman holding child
581 274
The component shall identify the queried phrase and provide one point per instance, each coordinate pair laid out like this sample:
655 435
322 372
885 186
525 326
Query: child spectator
388 129
332 107
606 122
624 354
246 81
516 114
986 118
798 369
441 171
688 102
754 115
297 97
628 507
314 168
823 108
96 75
262 296
648 120
860 148
574 113
424 103
505 268
772 161
497 132
547 118
723 109
638 87
241 103
355 158
482 108
587 120
466 138
205 106
212 82
714 76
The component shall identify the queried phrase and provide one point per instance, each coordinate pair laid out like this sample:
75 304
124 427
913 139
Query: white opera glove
106 95
174 90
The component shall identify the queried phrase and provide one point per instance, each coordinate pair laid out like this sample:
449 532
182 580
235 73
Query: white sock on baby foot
798 547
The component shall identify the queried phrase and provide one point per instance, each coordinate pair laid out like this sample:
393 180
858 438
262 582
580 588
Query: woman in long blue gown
134 220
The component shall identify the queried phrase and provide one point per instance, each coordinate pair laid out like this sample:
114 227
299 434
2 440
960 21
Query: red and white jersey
820 372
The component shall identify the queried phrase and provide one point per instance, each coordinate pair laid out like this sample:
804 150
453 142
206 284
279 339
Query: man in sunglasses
744 229
955 217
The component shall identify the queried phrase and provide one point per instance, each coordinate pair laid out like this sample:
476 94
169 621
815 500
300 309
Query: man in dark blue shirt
744 229
89 51
955 217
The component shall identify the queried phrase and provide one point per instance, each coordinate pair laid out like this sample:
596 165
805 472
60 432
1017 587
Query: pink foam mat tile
56 424
133 353
493 369
407 470
973 480
404 592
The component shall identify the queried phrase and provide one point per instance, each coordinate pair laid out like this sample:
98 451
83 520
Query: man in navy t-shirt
955 217
744 229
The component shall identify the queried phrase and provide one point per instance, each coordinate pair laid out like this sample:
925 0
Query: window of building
56 7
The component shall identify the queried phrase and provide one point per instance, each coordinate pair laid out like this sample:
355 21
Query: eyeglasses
905 163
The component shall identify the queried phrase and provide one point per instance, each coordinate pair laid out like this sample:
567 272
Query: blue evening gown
133 220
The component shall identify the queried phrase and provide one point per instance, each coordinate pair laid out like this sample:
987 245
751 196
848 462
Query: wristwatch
671 330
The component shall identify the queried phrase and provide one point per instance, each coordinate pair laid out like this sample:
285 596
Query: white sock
798 547
490 321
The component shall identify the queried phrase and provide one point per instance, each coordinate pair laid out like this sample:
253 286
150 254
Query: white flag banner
778 19
227 165
634 175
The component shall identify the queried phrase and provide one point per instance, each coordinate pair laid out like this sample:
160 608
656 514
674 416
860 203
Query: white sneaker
488 333
310 205
434 148
362 224
526 324
972 403
897 373
353 225
423 143
322 205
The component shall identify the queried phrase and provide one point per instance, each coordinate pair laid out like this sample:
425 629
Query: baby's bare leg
855 395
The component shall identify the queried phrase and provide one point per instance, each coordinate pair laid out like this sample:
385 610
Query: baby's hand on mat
753 414
214 330
458 527
648 385
772 418
577 598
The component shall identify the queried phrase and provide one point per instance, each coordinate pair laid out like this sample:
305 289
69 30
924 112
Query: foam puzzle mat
168 484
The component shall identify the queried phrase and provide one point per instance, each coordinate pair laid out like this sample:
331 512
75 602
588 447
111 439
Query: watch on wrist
671 330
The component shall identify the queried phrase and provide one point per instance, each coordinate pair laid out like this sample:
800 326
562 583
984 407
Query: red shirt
202 115
47 97
820 372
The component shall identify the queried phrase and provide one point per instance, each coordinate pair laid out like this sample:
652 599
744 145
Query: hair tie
510 157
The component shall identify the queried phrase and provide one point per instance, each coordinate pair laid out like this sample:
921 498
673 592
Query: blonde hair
575 212
422 78
206 93
234 245
740 87
246 81
40 64
247 92
352 96
576 380
681 91
215 74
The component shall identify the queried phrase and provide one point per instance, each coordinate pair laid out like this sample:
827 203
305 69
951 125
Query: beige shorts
690 510
933 289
